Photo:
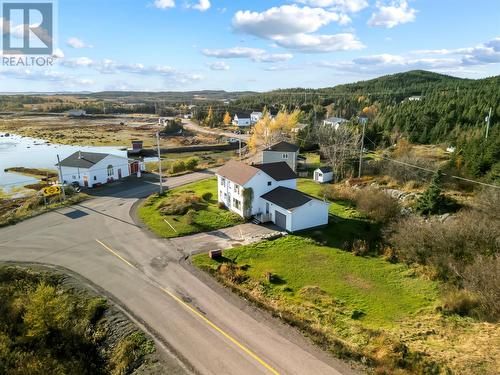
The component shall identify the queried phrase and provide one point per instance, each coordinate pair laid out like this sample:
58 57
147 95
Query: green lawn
383 292
346 224
208 218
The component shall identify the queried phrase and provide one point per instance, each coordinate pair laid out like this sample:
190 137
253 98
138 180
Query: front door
280 219
86 181
267 207
119 173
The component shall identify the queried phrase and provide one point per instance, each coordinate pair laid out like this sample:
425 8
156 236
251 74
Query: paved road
191 125
99 240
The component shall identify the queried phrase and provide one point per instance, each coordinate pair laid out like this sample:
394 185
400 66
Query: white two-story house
268 193
282 151
242 119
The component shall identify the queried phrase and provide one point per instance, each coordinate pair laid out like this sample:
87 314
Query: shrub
338 192
460 302
191 164
433 201
207 196
178 166
377 205
221 205
190 215
232 272
360 247
180 204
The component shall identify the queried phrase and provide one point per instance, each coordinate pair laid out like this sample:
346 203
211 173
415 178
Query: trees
210 119
269 130
433 201
339 147
227 118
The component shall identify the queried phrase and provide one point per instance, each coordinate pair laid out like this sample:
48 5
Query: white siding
275 156
312 214
322 177
98 173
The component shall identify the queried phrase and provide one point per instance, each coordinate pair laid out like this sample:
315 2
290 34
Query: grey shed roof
279 171
325 169
287 198
283 147
82 159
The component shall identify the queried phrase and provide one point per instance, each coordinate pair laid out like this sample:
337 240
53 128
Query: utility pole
361 150
239 140
61 177
488 124
159 161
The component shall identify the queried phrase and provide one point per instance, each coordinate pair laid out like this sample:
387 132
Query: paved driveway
203 329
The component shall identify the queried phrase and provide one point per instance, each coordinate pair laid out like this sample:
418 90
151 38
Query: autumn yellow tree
210 119
269 130
227 118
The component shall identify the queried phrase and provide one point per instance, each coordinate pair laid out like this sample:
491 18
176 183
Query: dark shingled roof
325 169
279 171
286 198
283 147
81 159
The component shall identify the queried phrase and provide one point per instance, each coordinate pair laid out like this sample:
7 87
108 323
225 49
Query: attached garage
293 210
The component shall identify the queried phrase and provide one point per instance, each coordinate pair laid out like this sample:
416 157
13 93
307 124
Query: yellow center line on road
198 314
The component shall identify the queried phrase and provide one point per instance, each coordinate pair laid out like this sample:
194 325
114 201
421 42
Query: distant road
99 240
191 125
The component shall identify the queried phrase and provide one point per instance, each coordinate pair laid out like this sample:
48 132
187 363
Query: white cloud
293 27
77 43
444 60
202 5
164 4
312 43
58 53
218 65
283 20
348 6
78 62
389 16
254 54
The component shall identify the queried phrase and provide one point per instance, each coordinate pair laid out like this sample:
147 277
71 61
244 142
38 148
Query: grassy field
382 293
208 217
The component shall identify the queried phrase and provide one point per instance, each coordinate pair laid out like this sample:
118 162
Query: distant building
92 168
77 113
415 98
188 116
334 121
255 117
363 120
282 151
323 174
242 119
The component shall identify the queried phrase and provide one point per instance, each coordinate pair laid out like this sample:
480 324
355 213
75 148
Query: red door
86 181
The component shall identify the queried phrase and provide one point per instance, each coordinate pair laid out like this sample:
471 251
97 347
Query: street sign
51 190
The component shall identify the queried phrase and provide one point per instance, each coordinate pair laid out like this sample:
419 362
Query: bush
221 205
190 215
433 201
178 166
191 164
207 196
377 205
338 192
360 247
232 272
460 302
180 204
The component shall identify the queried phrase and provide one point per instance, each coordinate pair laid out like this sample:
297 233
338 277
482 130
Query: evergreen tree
433 201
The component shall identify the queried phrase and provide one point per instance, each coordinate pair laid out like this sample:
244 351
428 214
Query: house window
269 183
284 156
223 182
237 188
95 178
236 204
110 170
74 177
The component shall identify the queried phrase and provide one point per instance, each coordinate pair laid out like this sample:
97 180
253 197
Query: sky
259 45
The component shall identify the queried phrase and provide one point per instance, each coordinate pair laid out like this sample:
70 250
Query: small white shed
323 174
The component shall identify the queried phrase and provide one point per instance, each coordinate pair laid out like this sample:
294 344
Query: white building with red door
91 169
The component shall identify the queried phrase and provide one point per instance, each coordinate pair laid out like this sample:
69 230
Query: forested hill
447 110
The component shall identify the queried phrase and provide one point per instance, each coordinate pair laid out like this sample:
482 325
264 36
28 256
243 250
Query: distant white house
282 151
415 98
163 121
77 113
255 117
92 168
334 121
242 119
271 193
323 174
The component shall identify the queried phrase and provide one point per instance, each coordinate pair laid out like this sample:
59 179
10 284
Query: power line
433 171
